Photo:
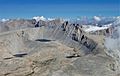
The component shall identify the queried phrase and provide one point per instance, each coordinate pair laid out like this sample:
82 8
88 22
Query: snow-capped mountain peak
38 18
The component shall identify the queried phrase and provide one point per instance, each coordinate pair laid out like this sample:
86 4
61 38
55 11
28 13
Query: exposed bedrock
51 51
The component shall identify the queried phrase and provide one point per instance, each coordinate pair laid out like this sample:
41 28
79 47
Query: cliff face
55 50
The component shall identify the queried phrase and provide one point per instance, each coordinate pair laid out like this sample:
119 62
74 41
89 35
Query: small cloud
97 18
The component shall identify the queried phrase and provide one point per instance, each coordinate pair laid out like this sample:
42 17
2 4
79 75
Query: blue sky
58 8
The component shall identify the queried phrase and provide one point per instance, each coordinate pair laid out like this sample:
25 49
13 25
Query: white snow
78 18
118 20
51 19
118 17
97 18
108 25
4 20
38 18
94 28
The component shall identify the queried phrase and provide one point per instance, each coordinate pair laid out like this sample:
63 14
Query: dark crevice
73 56
43 40
20 55
8 58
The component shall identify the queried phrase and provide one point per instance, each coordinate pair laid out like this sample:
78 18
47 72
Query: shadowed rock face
43 40
50 51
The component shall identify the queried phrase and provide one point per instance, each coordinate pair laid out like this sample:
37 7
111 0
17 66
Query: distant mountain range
96 21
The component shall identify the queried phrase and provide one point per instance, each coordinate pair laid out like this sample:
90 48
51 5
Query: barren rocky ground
49 51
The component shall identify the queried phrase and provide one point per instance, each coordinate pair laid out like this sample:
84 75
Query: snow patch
51 19
4 20
94 28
